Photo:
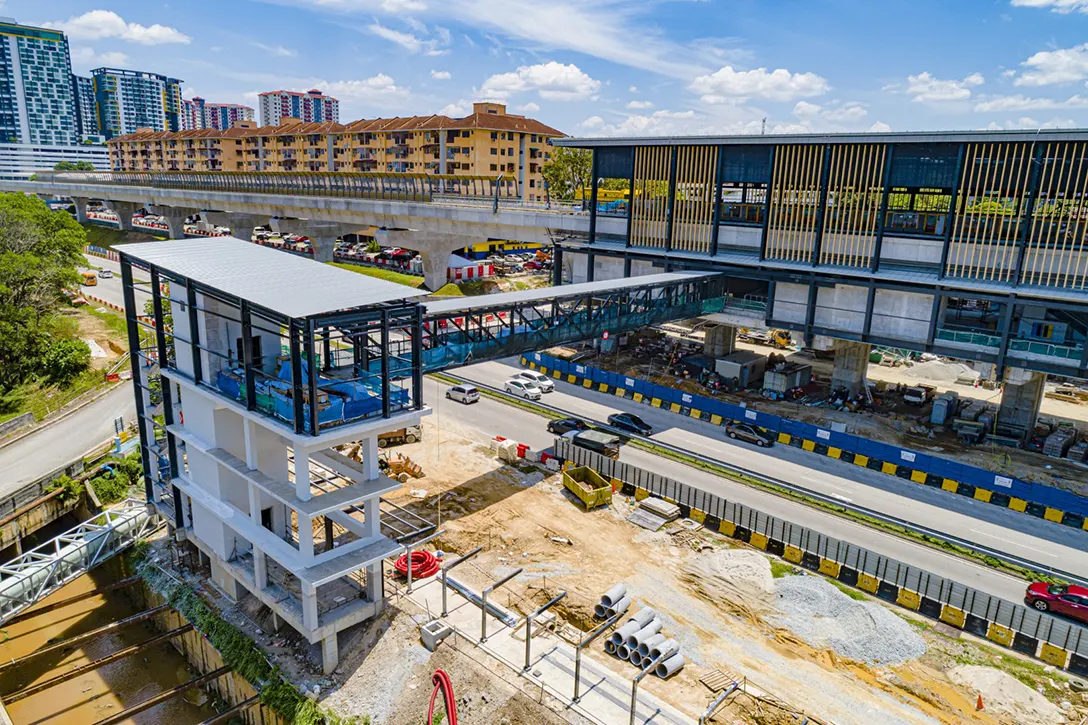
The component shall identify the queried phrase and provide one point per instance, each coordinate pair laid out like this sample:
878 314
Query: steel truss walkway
41 571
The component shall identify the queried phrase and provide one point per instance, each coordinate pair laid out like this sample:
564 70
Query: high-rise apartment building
128 100
312 106
37 104
86 109
198 113
489 142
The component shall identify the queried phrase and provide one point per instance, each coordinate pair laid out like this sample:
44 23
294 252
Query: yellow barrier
918 476
637 397
1053 515
830 567
674 407
655 402
714 419
696 515
1018 504
907 598
758 540
808 445
860 460
543 370
587 383
556 374
1053 655
694 414
983 494
953 616
727 527
834 452
603 387
532 365
889 468
784 438
641 493
949 485
572 378
792 554
868 583
619 394
1000 634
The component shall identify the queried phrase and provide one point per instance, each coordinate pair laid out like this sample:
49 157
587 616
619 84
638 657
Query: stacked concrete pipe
614 601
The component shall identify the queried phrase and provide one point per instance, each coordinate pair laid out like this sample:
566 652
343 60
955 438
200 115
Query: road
110 289
1007 531
58 444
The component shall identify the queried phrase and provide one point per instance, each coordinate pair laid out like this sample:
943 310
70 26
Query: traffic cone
979 705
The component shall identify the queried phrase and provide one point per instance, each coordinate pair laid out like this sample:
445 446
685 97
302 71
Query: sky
615 67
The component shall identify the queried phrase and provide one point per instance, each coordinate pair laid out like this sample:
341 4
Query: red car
1072 600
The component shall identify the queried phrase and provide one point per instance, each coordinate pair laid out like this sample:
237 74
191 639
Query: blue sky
608 67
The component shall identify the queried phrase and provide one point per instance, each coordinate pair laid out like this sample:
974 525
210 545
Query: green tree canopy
74 166
568 172
39 251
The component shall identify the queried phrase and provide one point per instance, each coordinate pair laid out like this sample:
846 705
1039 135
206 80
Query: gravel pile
1003 694
941 372
738 575
824 617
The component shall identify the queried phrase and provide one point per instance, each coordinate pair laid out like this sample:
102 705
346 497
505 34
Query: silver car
522 389
463 394
541 380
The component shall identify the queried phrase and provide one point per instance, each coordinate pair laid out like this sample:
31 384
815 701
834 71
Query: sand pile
941 372
738 576
1003 694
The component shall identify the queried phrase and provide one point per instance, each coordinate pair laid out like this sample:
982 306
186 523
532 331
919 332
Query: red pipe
442 682
424 564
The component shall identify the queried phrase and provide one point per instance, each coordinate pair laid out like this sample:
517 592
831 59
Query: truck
918 395
780 339
605 444
411 434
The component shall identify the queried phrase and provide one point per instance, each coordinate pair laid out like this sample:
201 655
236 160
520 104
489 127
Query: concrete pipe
618 608
609 647
620 635
634 640
670 667
600 611
614 594
667 647
643 616
624 652
649 643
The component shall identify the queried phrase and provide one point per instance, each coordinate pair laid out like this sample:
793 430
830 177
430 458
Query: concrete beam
434 248
240 224
175 218
124 211
322 234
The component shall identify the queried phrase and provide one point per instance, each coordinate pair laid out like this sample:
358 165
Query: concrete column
435 266
372 518
241 225
721 340
370 458
322 235
250 443
851 364
306 538
434 248
374 584
330 653
175 217
260 568
124 211
302 475
276 622
81 209
324 248
1021 398
309 606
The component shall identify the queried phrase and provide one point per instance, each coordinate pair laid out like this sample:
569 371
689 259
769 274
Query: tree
39 251
66 359
74 166
567 174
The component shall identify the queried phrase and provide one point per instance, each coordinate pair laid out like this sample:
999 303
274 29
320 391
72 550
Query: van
605 444
90 279
463 393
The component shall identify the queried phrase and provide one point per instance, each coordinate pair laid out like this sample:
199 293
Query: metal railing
41 571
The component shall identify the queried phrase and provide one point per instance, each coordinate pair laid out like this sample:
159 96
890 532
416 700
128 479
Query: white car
463 394
523 389
541 380
105 274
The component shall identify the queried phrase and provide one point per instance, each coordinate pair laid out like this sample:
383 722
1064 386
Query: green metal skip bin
589 486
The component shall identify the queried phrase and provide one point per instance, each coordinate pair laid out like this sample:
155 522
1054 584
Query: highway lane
1008 531
58 444
110 289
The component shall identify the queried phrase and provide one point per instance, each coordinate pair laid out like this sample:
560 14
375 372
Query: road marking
841 498
1006 541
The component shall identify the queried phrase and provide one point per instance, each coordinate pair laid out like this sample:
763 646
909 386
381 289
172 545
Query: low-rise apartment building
489 142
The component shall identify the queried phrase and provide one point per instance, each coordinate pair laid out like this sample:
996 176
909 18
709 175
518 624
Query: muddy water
107 690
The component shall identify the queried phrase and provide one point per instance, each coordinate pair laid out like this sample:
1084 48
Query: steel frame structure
46 568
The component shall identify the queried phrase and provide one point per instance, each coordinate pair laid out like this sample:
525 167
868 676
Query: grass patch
448 290
43 398
780 569
408 280
115 321
476 287
100 236
848 591
868 521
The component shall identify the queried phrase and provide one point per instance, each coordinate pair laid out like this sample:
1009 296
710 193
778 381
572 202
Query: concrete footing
851 364
1022 398
720 340
330 653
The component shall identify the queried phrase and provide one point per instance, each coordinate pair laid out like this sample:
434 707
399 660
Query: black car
565 425
749 433
630 423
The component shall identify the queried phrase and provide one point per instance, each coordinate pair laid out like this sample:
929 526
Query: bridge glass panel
990 210
795 200
1055 254
854 192
613 182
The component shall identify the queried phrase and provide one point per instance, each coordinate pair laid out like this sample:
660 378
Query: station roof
273 279
505 299
830 138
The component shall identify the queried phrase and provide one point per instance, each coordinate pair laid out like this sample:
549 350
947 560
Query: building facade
312 106
196 113
37 103
87 109
489 142
20 161
128 100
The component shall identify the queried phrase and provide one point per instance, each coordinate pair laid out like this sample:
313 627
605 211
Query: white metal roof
274 279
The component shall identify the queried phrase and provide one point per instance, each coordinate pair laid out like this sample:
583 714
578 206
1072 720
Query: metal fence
1056 641
361 185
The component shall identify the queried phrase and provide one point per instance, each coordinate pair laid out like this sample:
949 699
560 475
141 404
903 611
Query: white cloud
640 105
592 122
402 6
189 92
277 50
849 112
457 109
378 90
1028 123
927 89
413 43
553 81
1047 67
529 107
729 85
672 123
441 75
1056 6
880 127
632 89
87 58
100 24
1024 103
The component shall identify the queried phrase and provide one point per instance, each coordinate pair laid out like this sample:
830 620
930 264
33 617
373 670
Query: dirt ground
523 519
893 422
92 328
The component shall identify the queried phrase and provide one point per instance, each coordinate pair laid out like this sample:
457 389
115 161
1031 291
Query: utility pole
763 127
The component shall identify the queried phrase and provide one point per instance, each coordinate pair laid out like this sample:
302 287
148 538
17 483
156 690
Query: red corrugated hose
442 682
424 564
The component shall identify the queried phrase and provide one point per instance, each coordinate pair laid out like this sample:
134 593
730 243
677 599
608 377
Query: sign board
604 335
119 424
580 368
629 382
536 356
1003 481
824 434
685 397
907 456
750 414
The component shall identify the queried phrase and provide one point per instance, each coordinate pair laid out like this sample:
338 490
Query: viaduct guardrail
1055 641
